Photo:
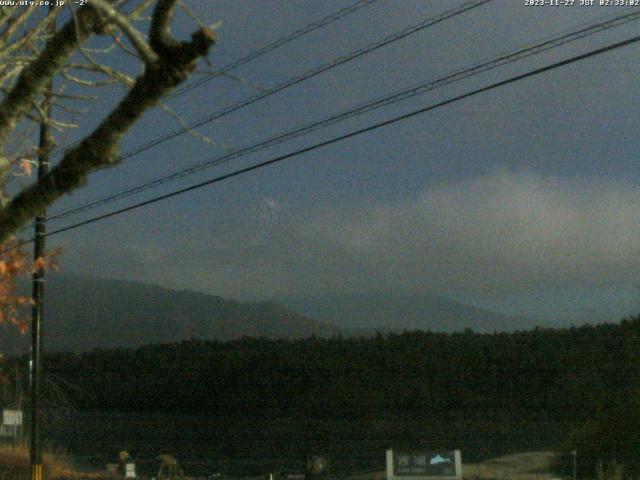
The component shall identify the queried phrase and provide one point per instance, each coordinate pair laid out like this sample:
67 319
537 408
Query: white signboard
421 465
130 470
8 431
12 417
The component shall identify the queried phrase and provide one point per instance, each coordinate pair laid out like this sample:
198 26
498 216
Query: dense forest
581 384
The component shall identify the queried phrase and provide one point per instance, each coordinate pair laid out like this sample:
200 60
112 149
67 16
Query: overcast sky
524 199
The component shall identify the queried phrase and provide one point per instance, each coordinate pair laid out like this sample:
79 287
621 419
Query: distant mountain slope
368 312
83 313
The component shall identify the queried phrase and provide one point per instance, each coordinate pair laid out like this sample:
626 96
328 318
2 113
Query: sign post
424 465
11 424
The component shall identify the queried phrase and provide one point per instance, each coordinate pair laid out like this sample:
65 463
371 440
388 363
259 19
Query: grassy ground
14 465
521 466
253 445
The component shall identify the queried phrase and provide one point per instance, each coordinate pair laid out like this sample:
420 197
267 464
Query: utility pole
35 367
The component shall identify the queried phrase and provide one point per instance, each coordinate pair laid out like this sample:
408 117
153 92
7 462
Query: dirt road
520 466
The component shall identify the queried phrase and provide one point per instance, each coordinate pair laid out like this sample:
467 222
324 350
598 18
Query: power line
323 22
355 133
277 44
312 73
474 69
307 75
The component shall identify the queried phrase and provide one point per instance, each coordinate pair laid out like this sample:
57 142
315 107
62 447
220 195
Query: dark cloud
525 191
503 232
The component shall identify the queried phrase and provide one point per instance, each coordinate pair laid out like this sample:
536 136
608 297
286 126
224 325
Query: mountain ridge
84 312
427 312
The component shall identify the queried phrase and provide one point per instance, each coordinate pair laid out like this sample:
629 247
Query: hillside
369 312
351 398
83 313
525 373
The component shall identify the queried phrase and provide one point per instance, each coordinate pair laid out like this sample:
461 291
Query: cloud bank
497 234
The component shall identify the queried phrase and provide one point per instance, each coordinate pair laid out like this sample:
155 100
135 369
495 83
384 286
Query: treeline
586 377
576 372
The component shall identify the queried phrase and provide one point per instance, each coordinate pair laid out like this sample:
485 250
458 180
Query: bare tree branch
194 133
140 8
114 75
14 24
136 39
175 61
34 78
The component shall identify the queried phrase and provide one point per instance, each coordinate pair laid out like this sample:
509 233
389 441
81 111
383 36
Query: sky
523 199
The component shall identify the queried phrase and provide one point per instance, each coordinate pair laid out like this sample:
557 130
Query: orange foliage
26 166
15 263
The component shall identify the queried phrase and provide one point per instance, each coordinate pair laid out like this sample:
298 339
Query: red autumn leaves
14 263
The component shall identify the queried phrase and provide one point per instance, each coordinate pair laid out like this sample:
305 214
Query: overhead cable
352 134
388 40
466 72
